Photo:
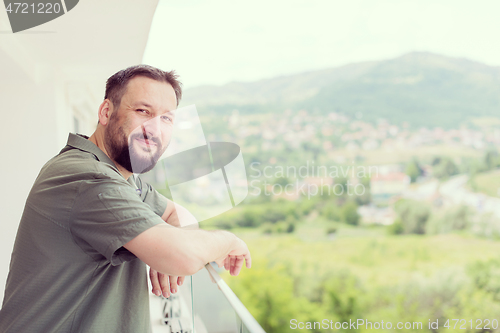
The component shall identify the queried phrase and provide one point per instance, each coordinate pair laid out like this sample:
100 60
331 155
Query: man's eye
142 111
166 118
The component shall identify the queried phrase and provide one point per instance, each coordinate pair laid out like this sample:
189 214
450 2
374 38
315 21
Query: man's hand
178 252
164 284
234 261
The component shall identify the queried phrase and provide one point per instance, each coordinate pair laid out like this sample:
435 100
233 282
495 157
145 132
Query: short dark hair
117 83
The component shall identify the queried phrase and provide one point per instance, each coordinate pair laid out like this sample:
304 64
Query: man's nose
152 127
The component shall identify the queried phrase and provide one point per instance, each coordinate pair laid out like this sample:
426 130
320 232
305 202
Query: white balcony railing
204 304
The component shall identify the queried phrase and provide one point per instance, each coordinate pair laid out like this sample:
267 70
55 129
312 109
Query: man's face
139 131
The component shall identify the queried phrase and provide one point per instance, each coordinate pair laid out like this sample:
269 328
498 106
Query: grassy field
405 277
487 183
369 253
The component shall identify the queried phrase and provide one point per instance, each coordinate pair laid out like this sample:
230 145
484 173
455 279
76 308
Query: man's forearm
176 251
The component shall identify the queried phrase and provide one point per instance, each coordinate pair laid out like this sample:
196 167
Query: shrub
331 211
396 228
413 216
457 218
331 230
349 213
486 276
249 218
444 167
341 295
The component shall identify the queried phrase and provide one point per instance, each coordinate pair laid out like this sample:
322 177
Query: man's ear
105 110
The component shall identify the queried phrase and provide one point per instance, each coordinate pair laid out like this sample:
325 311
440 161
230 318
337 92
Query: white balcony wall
52 80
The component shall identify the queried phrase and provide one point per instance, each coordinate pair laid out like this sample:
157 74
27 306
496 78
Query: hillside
423 89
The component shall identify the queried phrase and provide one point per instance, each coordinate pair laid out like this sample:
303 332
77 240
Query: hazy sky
218 41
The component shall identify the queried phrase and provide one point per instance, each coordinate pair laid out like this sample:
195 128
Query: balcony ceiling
90 42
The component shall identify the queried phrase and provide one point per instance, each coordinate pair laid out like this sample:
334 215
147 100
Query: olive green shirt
69 271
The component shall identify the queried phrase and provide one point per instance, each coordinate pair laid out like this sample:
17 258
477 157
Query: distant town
382 161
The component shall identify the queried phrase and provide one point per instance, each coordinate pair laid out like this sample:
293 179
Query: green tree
349 213
268 294
491 159
275 213
365 198
414 170
486 276
283 181
445 168
342 181
331 211
342 296
249 218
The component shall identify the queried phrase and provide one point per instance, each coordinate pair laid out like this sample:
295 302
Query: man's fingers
180 280
173 284
227 263
242 250
237 264
248 260
233 261
165 285
153 276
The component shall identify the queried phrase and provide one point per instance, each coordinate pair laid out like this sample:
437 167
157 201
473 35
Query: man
89 227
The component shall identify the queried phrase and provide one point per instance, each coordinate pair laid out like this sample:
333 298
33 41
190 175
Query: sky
219 41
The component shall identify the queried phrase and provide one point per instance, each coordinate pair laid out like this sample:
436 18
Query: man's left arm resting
177 216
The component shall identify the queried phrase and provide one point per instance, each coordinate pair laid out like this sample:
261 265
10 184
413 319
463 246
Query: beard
124 150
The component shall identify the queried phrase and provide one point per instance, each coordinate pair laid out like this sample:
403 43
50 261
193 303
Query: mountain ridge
443 90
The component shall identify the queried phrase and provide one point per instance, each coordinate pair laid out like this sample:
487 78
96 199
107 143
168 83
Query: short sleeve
149 195
107 214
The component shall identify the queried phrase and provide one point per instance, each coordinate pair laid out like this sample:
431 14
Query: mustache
145 136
